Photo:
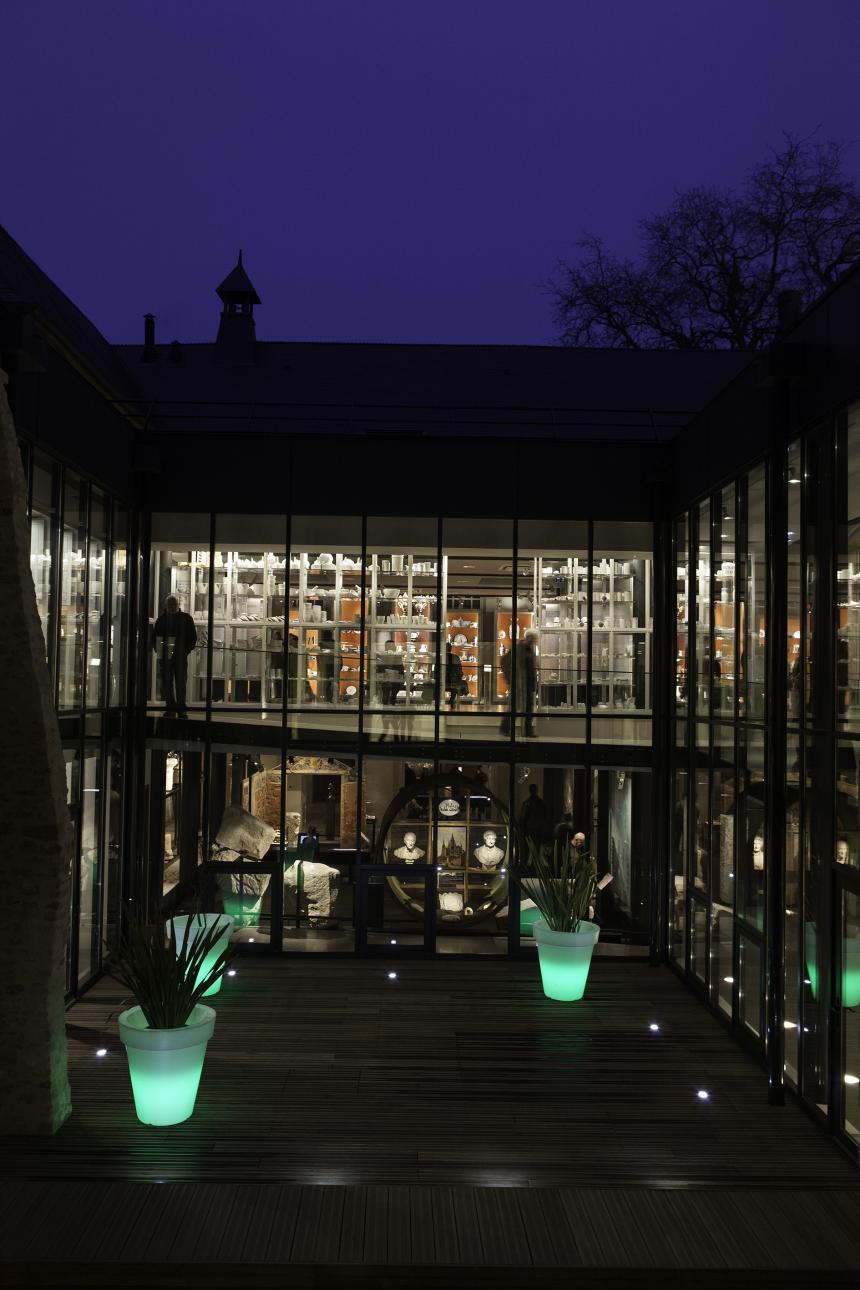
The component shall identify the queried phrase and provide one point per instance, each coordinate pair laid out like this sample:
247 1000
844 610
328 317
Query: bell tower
236 329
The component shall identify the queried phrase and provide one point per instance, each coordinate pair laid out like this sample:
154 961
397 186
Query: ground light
101 1052
654 1027
392 976
702 1095
231 971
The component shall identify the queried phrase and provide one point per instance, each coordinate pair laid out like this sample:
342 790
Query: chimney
789 307
149 354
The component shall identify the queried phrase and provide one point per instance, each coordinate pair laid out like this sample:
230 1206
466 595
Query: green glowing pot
850 967
565 958
244 908
201 923
165 1065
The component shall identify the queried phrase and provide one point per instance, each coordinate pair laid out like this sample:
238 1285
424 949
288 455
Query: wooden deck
450 1118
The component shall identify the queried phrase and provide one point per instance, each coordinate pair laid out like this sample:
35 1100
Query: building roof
24 284
485 389
238 284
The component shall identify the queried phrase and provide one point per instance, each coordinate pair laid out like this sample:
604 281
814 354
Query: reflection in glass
723 844
754 639
794 659
553 577
850 1001
179 571
249 611
682 612
751 857
749 990
43 540
118 617
402 633
724 584
848 575
794 970
621 838
704 662
96 674
622 612
73 578
678 877
92 821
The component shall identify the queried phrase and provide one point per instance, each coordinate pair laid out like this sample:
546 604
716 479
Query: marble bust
758 851
487 854
410 852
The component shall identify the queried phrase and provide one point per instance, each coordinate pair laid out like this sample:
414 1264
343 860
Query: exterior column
36 831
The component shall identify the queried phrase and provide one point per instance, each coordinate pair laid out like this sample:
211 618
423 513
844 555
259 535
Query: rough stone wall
35 831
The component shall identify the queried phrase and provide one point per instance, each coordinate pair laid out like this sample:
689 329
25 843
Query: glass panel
622 842
119 607
850 1000
72 761
399 828
682 612
755 598
794 586
723 843
478 878
179 589
551 806
72 593
703 610
112 866
553 576
327 641
92 822
477 592
622 642
322 819
702 821
749 988
96 603
174 839
402 633
43 544
816 810
793 922
751 856
723 587
847 846
678 878
848 574
249 585
698 940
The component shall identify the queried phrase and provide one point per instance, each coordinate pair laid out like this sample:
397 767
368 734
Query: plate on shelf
460 639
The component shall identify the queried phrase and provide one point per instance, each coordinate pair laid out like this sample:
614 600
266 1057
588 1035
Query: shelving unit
468 893
466 623
403 608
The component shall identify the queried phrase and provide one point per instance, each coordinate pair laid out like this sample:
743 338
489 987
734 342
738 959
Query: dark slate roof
22 283
237 283
484 389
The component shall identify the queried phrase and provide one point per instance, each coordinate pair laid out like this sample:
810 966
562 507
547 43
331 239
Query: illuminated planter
850 967
201 923
244 908
528 917
565 958
165 1065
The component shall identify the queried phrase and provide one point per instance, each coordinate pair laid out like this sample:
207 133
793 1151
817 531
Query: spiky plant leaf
164 978
563 885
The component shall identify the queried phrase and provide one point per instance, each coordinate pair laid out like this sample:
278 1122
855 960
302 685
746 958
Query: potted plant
563 890
188 928
166 1032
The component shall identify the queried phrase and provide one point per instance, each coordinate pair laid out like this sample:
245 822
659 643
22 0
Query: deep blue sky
398 170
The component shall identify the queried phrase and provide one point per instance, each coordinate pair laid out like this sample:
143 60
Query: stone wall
35 832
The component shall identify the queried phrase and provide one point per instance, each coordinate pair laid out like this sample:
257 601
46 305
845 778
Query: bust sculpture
758 851
487 853
410 852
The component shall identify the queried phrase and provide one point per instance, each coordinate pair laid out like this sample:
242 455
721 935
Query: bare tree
713 264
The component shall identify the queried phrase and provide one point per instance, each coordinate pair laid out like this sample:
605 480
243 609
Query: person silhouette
174 638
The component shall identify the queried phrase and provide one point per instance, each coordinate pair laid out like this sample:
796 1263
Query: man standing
174 638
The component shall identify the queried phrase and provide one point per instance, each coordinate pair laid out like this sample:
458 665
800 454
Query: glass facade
395 701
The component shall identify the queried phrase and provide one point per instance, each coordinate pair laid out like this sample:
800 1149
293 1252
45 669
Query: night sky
400 171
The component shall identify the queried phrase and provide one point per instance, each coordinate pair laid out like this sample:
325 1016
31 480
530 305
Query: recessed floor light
703 1095
102 1052
654 1026
231 971
392 976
